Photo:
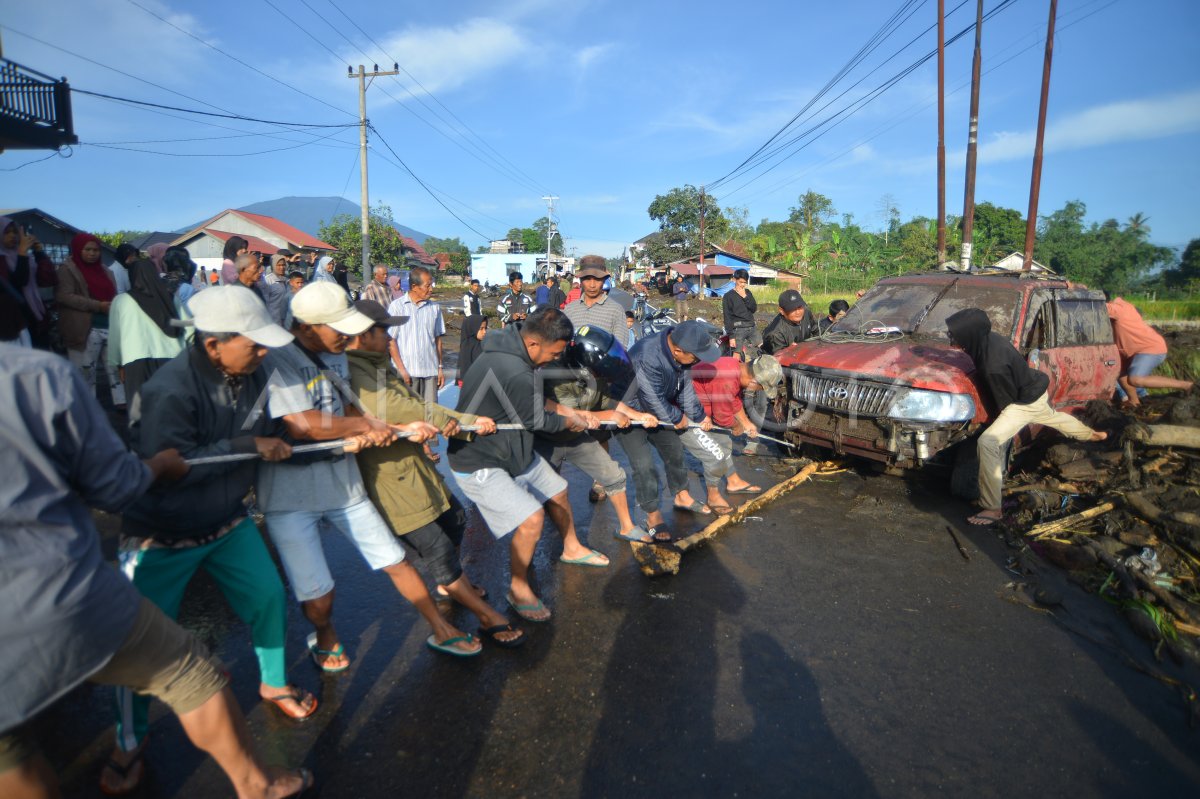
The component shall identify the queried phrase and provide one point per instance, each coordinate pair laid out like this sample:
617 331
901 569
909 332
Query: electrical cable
204 155
58 152
232 57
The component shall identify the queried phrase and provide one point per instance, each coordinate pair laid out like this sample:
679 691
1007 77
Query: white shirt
416 339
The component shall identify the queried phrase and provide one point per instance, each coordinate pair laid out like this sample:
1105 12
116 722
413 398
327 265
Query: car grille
842 394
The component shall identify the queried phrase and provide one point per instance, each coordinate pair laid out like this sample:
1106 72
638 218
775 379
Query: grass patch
1167 310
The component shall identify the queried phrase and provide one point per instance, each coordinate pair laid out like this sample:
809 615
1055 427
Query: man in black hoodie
1019 396
501 473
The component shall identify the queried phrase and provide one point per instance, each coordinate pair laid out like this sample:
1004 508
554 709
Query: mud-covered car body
886 384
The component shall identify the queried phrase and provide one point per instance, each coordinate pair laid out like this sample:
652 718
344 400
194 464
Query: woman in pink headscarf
155 253
24 267
85 292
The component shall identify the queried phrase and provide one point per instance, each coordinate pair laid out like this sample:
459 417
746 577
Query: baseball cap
696 339
591 266
378 314
767 373
791 299
235 309
325 303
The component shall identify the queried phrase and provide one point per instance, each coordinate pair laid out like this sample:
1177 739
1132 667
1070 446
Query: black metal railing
35 109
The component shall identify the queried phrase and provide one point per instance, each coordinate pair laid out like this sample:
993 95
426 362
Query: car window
904 307
1079 322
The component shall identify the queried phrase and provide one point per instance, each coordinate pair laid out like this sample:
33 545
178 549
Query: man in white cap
308 388
202 402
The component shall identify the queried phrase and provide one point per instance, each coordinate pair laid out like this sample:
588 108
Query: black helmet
601 354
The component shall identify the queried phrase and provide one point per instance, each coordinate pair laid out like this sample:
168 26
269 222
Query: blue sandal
317 653
447 647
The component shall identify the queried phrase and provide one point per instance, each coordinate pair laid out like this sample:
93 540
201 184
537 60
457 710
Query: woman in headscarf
85 292
324 270
341 276
474 328
396 286
21 262
141 337
155 252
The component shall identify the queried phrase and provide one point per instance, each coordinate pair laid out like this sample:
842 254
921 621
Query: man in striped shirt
378 290
593 306
416 347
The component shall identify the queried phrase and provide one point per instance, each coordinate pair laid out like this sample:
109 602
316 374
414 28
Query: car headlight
932 406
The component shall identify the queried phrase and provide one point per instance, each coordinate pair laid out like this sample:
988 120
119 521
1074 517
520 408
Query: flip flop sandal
337 652
696 507
746 490
655 533
596 560
721 510
298 696
447 647
512 643
984 521
638 535
524 610
123 772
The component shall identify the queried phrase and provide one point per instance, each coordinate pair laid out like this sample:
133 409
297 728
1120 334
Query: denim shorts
1141 365
297 538
504 501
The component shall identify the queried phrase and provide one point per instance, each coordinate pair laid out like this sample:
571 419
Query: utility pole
362 144
1035 182
968 221
549 198
700 263
941 133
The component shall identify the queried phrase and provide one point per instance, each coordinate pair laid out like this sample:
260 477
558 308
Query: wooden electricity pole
968 221
362 76
941 133
1035 181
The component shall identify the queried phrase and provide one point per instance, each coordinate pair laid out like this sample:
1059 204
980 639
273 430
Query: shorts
297 537
158 658
505 501
437 543
586 455
1141 365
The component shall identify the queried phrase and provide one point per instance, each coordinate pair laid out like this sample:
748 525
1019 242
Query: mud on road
839 645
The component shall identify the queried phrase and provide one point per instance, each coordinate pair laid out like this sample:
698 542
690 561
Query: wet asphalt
839 646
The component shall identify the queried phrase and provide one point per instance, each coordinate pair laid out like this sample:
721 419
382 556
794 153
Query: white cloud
1113 123
444 58
585 57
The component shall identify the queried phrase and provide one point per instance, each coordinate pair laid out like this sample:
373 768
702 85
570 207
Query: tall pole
1035 182
550 198
362 146
700 262
941 134
968 221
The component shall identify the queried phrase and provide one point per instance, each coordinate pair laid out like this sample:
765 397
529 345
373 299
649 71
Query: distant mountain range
307 213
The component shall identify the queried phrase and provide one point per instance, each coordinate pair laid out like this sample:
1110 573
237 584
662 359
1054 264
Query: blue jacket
664 387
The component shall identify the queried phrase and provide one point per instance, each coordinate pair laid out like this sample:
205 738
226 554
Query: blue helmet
600 353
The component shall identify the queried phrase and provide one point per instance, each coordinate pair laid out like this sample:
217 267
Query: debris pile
1123 515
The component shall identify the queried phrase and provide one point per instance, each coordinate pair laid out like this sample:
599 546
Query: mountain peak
307 213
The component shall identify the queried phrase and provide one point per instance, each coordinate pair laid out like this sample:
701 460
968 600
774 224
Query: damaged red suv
885 383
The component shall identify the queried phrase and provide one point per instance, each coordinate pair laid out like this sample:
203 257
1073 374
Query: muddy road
839 646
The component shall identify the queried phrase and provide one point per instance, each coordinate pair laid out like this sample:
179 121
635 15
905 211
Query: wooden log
1183 521
1059 525
1165 435
1048 485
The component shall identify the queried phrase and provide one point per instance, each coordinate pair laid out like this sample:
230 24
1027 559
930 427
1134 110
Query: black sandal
491 632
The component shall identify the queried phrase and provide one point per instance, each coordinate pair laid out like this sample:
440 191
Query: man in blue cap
664 389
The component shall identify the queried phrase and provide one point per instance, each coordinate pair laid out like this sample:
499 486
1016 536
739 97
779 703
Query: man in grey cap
309 387
793 324
664 389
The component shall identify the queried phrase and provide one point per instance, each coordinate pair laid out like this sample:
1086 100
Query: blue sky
605 103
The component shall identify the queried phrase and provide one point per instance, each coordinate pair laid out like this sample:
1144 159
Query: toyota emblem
838 393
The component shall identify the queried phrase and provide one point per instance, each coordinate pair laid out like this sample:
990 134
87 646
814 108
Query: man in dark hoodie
501 473
1019 396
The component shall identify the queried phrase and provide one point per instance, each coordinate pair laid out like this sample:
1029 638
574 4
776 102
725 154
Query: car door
1080 355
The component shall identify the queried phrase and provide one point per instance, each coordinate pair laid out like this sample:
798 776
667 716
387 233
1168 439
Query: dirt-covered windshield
906 308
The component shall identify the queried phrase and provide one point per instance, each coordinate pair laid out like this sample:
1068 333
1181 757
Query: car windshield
905 308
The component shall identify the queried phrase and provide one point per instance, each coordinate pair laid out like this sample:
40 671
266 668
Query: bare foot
986 517
1098 435
287 783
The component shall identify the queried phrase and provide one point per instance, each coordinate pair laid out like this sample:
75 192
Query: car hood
930 365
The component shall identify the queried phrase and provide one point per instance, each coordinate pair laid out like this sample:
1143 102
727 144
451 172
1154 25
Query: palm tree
1137 225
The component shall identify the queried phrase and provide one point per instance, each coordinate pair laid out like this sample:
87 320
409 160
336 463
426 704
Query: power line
303 29
205 155
238 117
537 186
232 57
421 183
58 152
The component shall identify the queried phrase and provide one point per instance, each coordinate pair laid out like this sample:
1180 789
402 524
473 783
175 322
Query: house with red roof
265 234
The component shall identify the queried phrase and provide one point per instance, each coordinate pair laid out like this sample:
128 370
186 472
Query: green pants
243 569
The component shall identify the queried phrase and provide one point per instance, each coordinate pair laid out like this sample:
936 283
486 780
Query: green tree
678 216
345 233
813 211
115 240
433 244
998 231
1100 255
1187 272
540 228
